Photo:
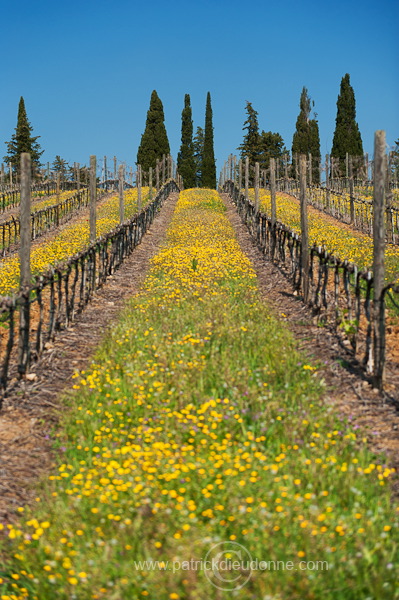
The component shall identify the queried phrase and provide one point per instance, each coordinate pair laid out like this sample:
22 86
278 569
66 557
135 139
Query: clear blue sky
87 68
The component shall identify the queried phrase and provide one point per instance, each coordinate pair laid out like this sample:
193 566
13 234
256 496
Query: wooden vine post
138 182
93 194
78 176
121 198
304 228
150 183
273 204
157 175
239 175
380 168
256 188
246 177
105 174
327 183
24 257
351 190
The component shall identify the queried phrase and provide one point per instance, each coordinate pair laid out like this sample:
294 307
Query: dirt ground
32 408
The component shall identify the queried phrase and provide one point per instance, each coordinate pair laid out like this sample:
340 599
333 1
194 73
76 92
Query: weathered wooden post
286 172
327 182
163 169
234 169
57 180
239 175
256 188
10 172
380 167
304 228
2 175
115 172
150 183
78 176
24 257
105 174
246 178
388 200
121 198
273 205
351 190
157 175
310 176
139 187
93 194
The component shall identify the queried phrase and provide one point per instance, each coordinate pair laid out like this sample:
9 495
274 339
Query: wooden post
93 193
351 190
139 187
10 172
327 182
388 200
246 177
2 175
157 175
310 176
163 169
105 174
380 165
57 178
115 174
256 187
286 172
240 174
150 183
25 219
347 172
24 257
273 190
121 198
304 228
78 176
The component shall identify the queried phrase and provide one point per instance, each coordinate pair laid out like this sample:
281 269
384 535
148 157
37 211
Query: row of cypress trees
260 147
196 158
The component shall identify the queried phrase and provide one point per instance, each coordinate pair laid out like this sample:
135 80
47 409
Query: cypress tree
154 141
208 158
347 138
251 144
198 144
23 141
306 138
185 159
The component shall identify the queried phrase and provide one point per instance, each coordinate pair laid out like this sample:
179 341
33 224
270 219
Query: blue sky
86 69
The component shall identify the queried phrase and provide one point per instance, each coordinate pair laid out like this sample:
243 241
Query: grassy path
199 434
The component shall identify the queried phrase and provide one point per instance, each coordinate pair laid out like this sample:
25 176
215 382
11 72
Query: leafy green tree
23 141
306 138
198 145
208 157
347 138
185 159
252 140
154 141
271 145
60 166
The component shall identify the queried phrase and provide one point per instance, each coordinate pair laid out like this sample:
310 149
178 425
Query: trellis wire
58 295
339 293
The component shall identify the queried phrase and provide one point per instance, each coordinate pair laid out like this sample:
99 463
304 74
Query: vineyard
199 428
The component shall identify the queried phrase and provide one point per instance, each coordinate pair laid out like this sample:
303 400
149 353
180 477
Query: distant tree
306 138
251 144
271 145
208 157
185 158
198 146
60 166
23 141
347 138
154 141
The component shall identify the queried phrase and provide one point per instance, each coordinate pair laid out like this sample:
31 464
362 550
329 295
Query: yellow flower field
72 239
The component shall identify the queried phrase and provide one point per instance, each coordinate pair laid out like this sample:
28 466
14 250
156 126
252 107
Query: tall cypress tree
347 138
306 138
208 158
198 144
251 145
185 159
154 141
23 141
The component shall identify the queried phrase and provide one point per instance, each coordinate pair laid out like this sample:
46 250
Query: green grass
199 423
